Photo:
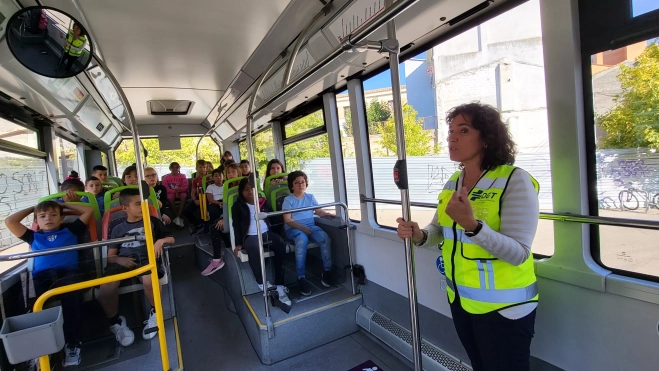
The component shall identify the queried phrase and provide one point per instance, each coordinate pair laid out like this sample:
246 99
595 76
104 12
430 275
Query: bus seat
113 202
205 182
112 218
271 187
117 181
228 201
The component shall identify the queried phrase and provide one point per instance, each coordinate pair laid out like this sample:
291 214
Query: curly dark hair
499 147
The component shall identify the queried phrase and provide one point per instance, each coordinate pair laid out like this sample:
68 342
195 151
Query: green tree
377 113
186 156
634 121
418 142
308 149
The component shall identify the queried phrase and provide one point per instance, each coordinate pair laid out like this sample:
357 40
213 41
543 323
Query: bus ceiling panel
225 130
93 118
203 100
194 44
238 86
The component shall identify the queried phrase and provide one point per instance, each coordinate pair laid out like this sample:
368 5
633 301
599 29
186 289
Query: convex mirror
49 42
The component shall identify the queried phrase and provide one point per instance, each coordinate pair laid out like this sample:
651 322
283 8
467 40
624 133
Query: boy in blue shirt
94 186
57 269
300 228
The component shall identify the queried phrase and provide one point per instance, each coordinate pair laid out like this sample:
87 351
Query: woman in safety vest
76 39
487 216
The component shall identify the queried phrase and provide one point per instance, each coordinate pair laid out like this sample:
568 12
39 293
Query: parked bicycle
631 199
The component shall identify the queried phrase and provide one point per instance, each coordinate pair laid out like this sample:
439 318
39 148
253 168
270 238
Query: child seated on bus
176 185
93 186
300 227
245 234
274 167
232 171
192 211
60 269
129 177
73 175
71 186
151 178
209 167
100 172
128 256
216 211
245 168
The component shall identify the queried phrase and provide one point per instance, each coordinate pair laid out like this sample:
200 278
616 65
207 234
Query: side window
488 64
348 152
67 155
625 100
311 155
23 181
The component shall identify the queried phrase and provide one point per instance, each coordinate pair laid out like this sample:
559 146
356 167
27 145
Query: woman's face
275 169
464 142
247 193
76 30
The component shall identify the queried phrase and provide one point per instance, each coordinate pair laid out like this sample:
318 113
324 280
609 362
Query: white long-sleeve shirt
512 244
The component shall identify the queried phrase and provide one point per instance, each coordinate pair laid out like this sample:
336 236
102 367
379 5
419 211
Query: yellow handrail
44 361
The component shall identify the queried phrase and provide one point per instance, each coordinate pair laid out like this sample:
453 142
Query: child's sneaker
122 333
283 297
71 355
179 222
214 266
150 323
261 286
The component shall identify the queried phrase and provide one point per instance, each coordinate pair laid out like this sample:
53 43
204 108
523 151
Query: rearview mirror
49 42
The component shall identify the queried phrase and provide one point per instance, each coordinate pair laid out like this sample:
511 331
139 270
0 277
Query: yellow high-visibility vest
75 46
483 282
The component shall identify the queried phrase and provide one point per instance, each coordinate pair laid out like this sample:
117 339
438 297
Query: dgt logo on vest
480 195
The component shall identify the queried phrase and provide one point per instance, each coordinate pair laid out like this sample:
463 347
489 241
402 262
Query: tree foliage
634 121
186 156
308 149
417 141
377 113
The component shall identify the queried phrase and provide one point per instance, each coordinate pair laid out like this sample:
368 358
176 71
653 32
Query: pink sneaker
214 266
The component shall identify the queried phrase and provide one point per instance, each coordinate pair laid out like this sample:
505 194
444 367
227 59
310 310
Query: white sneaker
179 222
122 333
71 355
150 323
261 286
283 297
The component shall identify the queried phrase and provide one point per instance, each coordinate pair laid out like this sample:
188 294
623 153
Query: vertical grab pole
255 192
400 178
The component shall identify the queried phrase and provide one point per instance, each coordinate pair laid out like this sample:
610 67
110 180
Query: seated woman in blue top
300 228
59 269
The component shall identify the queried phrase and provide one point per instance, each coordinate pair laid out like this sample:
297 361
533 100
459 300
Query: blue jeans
301 241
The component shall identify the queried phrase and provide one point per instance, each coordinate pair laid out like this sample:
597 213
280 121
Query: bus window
18 134
499 62
625 105
23 181
264 151
67 154
311 155
348 152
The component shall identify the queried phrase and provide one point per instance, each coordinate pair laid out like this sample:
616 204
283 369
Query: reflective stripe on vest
483 282
496 296
75 46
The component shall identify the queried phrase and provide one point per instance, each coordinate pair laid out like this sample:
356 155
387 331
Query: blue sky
643 6
383 80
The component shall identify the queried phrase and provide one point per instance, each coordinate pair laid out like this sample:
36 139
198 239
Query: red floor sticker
367 366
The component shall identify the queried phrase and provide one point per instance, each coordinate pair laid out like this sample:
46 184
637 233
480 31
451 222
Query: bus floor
213 338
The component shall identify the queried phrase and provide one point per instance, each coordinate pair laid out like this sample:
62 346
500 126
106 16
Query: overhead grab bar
303 35
355 38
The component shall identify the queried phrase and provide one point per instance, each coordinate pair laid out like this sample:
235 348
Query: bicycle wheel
628 200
